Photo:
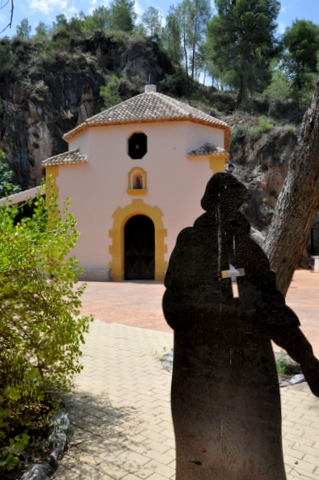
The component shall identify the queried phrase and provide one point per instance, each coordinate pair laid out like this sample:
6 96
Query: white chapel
136 173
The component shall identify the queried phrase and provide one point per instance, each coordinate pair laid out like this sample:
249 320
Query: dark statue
225 393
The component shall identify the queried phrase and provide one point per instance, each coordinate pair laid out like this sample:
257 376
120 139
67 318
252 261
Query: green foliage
24 28
101 17
175 84
263 126
122 15
241 132
241 43
238 133
41 31
6 58
282 363
184 33
171 37
302 43
285 88
152 19
197 15
40 327
10 453
110 92
7 186
60 22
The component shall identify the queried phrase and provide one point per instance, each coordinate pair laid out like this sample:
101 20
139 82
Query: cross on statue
233 273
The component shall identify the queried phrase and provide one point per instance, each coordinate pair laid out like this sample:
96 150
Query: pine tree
122 15
241 42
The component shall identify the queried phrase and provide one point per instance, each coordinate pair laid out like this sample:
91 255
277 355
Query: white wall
175 183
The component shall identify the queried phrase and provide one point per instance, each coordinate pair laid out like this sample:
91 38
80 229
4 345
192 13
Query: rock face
45 94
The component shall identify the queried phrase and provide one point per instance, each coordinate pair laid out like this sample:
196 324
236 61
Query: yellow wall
217 163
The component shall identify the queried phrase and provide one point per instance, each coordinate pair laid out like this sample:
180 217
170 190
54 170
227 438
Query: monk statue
225 394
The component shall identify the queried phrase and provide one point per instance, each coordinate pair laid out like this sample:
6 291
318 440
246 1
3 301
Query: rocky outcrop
44 94
260 153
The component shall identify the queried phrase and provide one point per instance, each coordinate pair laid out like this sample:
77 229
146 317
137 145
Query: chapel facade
135 174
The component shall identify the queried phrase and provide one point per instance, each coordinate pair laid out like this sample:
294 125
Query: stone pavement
120 413
138 304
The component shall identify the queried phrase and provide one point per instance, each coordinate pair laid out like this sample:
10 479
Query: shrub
7 185
40 327
110 92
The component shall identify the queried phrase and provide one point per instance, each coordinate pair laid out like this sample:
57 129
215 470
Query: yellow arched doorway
117 234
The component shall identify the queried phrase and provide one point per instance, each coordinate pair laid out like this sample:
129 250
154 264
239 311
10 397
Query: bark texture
297 202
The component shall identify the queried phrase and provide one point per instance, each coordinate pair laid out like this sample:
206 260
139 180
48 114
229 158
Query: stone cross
225 395
233 273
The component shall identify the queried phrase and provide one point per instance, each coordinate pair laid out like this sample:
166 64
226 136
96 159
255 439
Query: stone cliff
45 94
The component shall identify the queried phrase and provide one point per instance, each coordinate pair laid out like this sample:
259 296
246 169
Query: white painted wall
175 183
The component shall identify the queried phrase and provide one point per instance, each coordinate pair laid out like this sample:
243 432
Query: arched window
137 182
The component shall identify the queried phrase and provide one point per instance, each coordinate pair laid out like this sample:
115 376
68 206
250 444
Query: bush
110 92
7 185
40 327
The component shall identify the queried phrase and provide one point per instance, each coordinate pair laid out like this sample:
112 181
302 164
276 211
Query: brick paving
120 411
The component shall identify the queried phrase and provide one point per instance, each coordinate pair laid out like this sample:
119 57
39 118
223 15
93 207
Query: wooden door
139 248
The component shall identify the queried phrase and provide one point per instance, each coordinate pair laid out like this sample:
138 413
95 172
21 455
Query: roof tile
207 149
147 107
66 158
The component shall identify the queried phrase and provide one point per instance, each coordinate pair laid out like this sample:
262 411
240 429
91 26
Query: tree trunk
241 91
298 200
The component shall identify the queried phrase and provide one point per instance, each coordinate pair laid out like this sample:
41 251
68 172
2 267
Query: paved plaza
120 412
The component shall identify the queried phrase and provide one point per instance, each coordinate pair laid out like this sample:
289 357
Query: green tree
198 13
152 20
110 92
301 42
40 327
189 18
42 31
60 22
283 88
122 15
171 37
241 43
101 17
7 187
24 28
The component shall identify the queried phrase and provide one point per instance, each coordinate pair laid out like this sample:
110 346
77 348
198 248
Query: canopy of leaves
122 15
152 20
24 28
171 37
302 46
241 42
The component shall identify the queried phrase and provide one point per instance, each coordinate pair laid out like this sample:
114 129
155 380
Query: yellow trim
137 191
217 162
132 191
121 216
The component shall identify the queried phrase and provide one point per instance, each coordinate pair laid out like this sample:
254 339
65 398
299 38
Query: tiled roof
208 149
66 158
147 107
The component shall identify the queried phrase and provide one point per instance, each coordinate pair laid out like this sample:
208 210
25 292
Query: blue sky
46 10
